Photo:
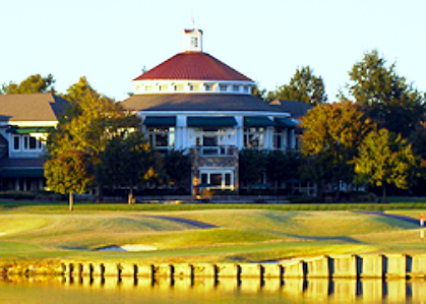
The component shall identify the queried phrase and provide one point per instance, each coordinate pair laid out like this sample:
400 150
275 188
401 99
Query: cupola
193 40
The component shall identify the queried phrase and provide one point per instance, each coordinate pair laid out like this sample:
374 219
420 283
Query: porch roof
28 130
258 121
285 122
160 121
209 121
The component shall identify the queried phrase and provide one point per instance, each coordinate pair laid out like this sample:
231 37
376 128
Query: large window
216 179
254 137
162 138
27 143
280 139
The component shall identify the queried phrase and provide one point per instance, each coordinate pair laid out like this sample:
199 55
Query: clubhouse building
196 103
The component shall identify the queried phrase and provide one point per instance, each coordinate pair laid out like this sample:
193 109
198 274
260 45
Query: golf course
47 231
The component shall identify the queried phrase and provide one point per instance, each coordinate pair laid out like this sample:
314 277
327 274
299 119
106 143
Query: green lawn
40 231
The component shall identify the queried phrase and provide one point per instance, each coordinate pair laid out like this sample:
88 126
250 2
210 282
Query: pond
128 290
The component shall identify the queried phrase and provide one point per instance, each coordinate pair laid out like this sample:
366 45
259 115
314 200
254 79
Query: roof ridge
193 66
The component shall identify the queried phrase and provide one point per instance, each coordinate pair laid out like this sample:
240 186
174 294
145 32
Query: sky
110 42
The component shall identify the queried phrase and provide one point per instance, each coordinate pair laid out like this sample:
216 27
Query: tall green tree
331 136
384 159
262 93
68 173
177 166
33 84
128 160
388 99
251 166
88 125
304 86
282 166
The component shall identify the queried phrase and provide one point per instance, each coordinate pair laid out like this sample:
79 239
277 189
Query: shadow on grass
344 239
15 204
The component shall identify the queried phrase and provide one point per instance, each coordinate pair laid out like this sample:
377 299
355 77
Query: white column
269 137
292 139
239 132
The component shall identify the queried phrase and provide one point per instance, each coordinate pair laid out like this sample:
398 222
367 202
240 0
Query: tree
385 158
33 84
251 166
68 173
282 165
177 166
331 136
88 125
128 160
262 93
304 86
388 100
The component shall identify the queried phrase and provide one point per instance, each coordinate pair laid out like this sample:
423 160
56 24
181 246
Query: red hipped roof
193 66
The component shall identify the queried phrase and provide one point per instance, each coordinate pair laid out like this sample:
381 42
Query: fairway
49 231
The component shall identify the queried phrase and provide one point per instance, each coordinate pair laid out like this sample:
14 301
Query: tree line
374 134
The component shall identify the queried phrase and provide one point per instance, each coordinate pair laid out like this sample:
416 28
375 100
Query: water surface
128 290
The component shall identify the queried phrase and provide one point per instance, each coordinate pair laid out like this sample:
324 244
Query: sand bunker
129 247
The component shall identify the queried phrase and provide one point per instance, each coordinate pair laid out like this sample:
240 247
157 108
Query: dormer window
193 40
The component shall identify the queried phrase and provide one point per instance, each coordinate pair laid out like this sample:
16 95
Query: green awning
160 121
258 121
285 122
208 121
28 130
38 172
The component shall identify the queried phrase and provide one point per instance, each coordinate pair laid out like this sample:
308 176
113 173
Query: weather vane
192 18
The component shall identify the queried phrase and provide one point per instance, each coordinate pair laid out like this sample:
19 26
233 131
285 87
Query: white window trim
223 173
153 142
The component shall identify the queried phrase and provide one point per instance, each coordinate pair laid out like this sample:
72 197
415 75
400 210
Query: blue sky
110 42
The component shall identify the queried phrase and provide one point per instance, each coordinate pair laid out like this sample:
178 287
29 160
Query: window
254 137
235 88
179 87
223 88
162 138
246 89
163 87
148 88
207 87
227 179
194 42
31 143
217 179
280 139
16 143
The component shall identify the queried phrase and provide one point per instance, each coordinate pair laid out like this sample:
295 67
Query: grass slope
49 231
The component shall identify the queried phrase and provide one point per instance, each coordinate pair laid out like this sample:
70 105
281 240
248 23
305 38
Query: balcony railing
215 150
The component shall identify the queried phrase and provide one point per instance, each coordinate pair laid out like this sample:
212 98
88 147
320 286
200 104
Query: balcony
213 151
214 156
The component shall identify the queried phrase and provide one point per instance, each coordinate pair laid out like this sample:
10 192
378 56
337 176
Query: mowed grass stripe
247 234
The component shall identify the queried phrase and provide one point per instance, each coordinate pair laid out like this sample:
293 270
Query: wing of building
195 102
24 122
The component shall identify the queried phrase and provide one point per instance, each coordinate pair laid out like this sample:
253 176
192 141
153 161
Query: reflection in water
187 290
